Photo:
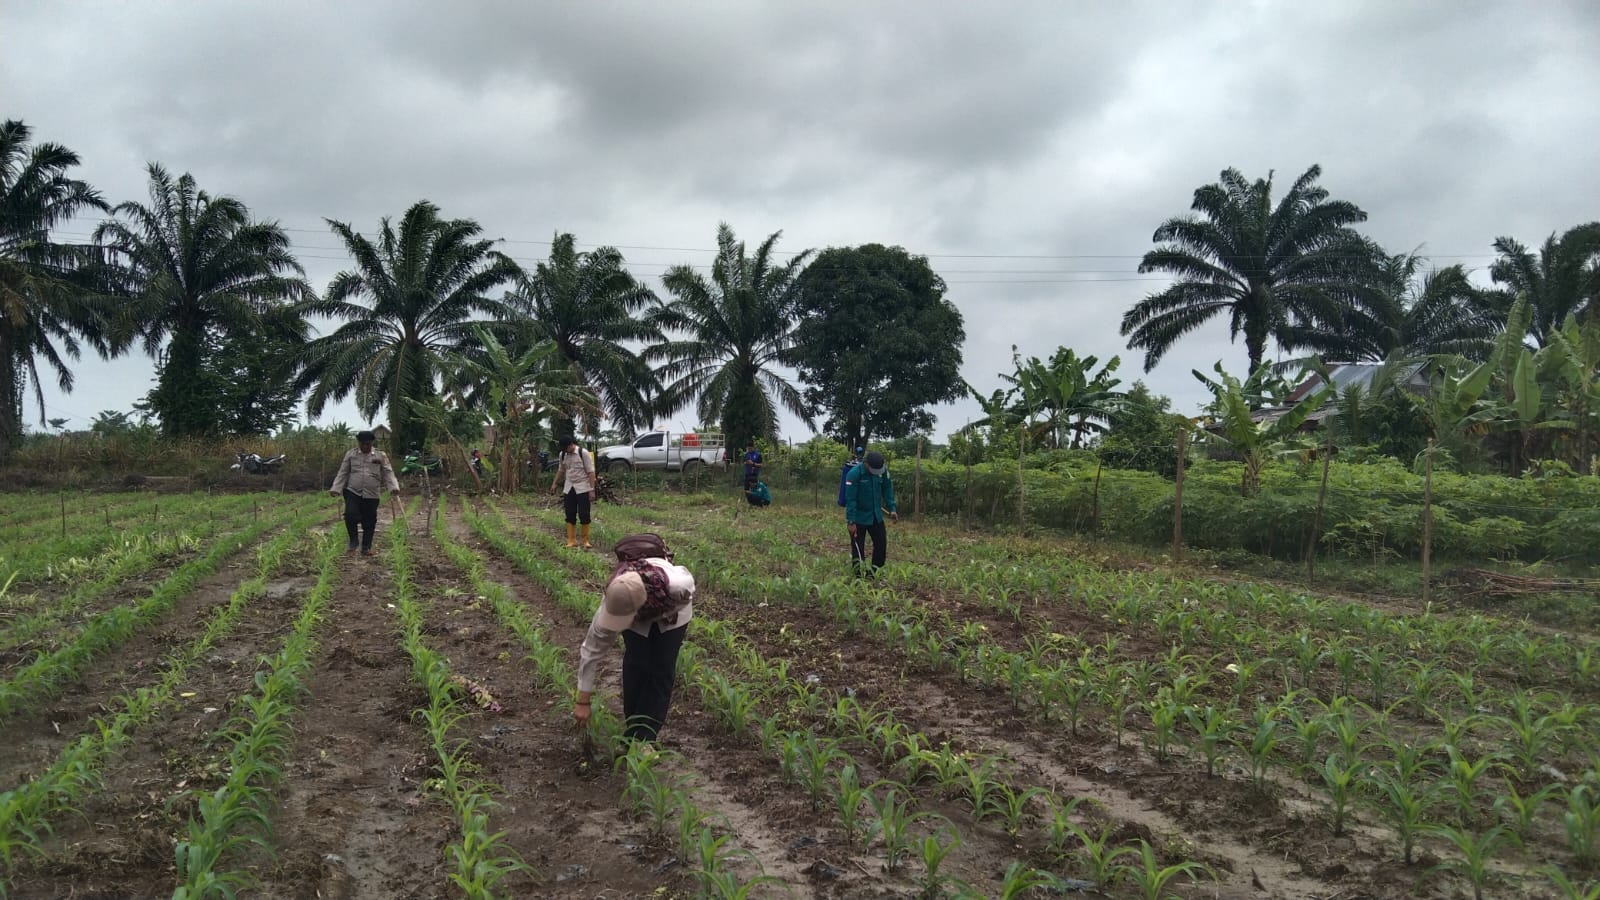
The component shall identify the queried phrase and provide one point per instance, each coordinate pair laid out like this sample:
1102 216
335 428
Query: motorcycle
418 462
256 464
545 463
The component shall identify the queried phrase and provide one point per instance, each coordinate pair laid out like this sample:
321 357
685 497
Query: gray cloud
1060 131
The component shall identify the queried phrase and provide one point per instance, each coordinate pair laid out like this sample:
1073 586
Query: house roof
1346 375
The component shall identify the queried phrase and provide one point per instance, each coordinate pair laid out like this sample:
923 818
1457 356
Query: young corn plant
818 757
892 822
1021 879
1518 813
1477 851
1011 805
1581 822
1059 828
1341 778
932 850
1463 775
1164 712
980 787
1405 805
1259 742
849 796
1152 878
1213 728
1567 889
1099 858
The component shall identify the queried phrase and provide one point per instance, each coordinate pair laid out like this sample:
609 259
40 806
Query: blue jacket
867 496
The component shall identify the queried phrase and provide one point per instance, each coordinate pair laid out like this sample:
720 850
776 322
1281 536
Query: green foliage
876 343
738 326
44 307
1142 433
200 276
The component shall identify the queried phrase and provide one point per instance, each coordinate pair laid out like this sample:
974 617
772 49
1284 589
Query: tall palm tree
41 306
1562 280
739 324
193 267
421 287
1273 269
587 304
1415 314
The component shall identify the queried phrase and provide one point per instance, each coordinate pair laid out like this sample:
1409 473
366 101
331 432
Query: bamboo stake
1095 517
1427 525
916 487
1316 518
1177 499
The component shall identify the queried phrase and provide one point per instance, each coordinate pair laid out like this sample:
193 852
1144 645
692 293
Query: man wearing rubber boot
576 467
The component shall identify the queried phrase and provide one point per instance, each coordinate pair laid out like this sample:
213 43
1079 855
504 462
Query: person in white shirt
576 467
364 474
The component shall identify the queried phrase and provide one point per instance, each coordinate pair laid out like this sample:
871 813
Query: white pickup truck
670 450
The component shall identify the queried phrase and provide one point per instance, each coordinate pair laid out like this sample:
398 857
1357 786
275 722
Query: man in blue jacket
868 494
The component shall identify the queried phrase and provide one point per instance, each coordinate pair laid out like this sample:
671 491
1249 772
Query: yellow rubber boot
586 544
572 535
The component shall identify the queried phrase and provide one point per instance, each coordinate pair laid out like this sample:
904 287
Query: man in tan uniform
363 475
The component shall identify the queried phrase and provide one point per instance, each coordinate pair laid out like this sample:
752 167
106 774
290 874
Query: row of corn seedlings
653 790
92 545
481 860
32 516
1346 776
999 572
133 555
824 768
27 809
40 678
237 815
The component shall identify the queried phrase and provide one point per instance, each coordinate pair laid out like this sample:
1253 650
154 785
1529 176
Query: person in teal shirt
868 495
759 495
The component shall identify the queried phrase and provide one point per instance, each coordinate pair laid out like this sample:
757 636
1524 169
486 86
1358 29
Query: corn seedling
1404 804
1567 889
1463 774
1517 812
932 851
1581 822
1341 779
892 823
1152 878
1100 859
1212 729
1021 878
1477 853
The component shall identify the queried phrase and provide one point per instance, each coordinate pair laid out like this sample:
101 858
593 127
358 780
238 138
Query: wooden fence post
1316 518
1094 518
1427 525
1177 498
1022 504
916 487
63 513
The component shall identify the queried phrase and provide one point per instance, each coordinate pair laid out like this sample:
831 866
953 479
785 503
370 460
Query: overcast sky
1028 149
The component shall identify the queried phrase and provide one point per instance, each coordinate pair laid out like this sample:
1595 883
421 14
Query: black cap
875 463
366 437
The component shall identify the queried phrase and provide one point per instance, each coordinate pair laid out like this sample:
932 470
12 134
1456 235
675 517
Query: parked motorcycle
256 464
417 462
546 462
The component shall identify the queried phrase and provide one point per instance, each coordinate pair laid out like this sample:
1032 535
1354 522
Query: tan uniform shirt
578 470
365 474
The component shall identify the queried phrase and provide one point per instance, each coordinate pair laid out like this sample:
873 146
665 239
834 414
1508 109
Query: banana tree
1570 362
1065 396
1255 440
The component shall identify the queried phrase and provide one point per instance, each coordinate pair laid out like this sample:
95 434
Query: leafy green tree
1570 364
588 304
1562 280
1062 400
1142 433
877 342
406 305
254 372
1255 439
44 309
193 266
1289 271
739 325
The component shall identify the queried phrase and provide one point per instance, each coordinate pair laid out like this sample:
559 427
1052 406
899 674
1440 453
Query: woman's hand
581 711
591 493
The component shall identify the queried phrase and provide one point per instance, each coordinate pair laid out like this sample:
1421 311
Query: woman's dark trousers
575 504
649 665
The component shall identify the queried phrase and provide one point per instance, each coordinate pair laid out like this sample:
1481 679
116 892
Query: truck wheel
689 465
618 467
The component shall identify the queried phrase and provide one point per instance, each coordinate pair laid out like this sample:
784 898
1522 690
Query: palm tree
195 268
421 285
1563 280
1273 269
41 306
740 323
521 388
1415 315
586 304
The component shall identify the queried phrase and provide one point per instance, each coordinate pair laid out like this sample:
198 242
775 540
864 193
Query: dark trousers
880 545
362 511
576 505
649 665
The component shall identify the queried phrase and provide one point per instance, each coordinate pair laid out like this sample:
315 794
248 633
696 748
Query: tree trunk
10 398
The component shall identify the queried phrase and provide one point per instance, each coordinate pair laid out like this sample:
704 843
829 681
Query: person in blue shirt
868 495
759 495
752 466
